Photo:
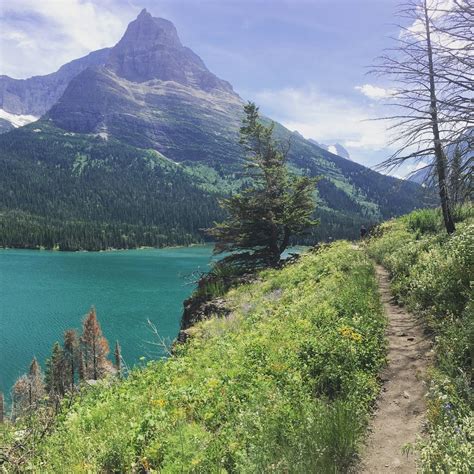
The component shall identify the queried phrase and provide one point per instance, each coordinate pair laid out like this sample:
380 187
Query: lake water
43 293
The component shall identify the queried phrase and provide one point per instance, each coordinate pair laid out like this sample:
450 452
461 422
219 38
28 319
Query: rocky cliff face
151 49
153 92
36 95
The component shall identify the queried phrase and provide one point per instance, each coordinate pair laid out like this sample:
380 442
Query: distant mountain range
335 149
136 144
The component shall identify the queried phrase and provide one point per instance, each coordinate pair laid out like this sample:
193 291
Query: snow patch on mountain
17 120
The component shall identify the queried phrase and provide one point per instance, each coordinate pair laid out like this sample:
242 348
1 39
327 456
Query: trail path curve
401 406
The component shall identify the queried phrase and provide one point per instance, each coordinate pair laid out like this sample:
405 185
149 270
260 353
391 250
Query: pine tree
95 348
36 383
20 396
28 389
274 207
55 373
71 356
118 359
82 367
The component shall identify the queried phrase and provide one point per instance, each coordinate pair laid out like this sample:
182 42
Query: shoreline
108 250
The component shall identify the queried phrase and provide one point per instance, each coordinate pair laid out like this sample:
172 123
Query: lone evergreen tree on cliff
275 205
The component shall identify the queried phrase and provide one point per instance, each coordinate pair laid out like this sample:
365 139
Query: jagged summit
143 13
151 49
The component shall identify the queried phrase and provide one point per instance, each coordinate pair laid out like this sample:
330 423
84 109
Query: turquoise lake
43 293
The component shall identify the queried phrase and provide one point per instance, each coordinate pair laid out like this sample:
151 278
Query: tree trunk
95 361
273 241
2 407
441 165
286 240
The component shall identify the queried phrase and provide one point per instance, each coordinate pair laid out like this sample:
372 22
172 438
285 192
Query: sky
304 62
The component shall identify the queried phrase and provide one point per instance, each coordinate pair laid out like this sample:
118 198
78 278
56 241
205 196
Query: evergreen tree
28 390
460 176
82 367
20 396
36 382
95 348
118 359
55 372
71 356
274 207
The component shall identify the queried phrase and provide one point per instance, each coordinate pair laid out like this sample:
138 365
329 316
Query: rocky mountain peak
151 49
144 13
147 32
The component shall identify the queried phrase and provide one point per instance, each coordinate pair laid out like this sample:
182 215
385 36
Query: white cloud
326 118
374 92
37 37
438 11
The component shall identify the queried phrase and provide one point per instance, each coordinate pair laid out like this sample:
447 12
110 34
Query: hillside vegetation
432 274
286 381
283 384
76 191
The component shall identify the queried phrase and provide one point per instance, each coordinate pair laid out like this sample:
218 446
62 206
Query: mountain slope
36 95
276 384
80 192
149 92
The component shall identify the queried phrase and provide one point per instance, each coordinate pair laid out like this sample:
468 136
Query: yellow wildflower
349 333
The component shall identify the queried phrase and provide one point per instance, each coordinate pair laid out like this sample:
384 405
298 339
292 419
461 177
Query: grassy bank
284 384
433 274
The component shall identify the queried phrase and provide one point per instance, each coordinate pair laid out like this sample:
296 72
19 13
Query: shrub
424 221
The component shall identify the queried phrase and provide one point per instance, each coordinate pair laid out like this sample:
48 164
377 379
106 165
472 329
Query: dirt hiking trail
401 405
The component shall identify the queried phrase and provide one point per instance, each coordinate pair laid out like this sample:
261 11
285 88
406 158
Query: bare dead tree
423 122
454 32
454 45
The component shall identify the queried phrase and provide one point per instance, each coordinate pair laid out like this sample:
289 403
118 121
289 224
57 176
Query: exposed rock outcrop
36 95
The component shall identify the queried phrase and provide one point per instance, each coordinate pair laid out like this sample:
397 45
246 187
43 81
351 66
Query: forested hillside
74 191
79 192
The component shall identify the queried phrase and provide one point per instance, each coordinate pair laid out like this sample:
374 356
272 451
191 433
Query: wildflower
161 403
213 383
349 333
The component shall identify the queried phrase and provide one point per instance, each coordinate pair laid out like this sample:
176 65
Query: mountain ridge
37 94
151 93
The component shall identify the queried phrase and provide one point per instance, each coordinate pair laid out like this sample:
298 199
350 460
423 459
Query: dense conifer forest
72 192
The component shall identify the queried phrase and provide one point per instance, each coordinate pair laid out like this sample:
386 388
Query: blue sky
303 61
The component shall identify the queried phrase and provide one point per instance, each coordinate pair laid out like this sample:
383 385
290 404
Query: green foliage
272 208
423 221
283 384
432 273
55 372
73 191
